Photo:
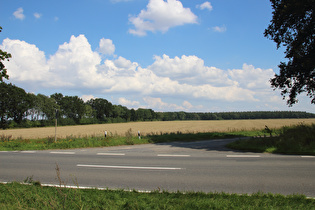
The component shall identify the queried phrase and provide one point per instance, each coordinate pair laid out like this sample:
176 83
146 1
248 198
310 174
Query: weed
18 196
268 130
50 139
129 139
30 180
298 139
5 138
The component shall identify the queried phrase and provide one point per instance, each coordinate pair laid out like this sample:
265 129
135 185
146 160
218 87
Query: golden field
155 127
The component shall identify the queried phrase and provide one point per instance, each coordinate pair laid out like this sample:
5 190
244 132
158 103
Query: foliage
188 137
34 196
102 108
14 104
7 143
293 26
21 109
71 107
299 139
3 56
129 137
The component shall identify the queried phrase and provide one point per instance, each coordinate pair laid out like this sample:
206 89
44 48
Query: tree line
21 109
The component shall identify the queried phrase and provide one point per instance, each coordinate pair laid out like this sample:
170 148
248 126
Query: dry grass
156 127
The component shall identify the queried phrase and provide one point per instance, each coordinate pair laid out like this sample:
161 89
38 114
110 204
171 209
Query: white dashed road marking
243 156
64 153
128 167
115 154
170 155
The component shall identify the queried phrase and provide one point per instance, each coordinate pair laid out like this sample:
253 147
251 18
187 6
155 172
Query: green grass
298 139
20 196
70 142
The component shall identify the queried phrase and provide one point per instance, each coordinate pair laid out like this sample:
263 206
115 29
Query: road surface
196 166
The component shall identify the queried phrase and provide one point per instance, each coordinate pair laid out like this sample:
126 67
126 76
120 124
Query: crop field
156 127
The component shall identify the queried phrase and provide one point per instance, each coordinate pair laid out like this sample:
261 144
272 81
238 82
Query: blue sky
171 55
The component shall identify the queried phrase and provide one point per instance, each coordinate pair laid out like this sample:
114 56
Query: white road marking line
3 151
116 154
28 152
307 156
78 187
170 155
65 153
129 167
243 156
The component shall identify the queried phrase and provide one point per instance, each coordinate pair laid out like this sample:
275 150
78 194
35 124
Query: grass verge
298 139
70 142
20 196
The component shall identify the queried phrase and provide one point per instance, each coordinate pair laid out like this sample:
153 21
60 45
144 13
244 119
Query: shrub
129 135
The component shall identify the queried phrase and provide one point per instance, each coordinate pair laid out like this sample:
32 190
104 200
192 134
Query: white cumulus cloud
189 70
252 78
106 46
28 64
219 29
161 15
206 5
18 14
158 104
85 98
37 15
125 102
77 67
74 62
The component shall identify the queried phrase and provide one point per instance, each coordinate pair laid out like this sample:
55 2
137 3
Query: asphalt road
200 166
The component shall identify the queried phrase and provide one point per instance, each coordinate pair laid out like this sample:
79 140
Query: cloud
189 70
85 98
37 15
18 14
128 103
28 64
106 47
206 5
75 66
158 104
250 77
219 29
74 63
161 15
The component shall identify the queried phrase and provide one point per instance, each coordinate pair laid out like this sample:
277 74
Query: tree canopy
3 56
293 26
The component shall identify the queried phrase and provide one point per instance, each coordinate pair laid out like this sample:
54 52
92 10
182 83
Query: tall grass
130 138
298 139
68 143
19 196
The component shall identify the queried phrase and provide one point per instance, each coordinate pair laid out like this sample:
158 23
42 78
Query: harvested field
156 127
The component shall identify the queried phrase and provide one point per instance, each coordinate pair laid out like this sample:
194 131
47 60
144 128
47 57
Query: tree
293 26
71 107
46 106
14 104
102 107
3 56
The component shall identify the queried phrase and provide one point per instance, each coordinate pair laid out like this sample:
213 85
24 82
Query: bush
129 140
298 139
